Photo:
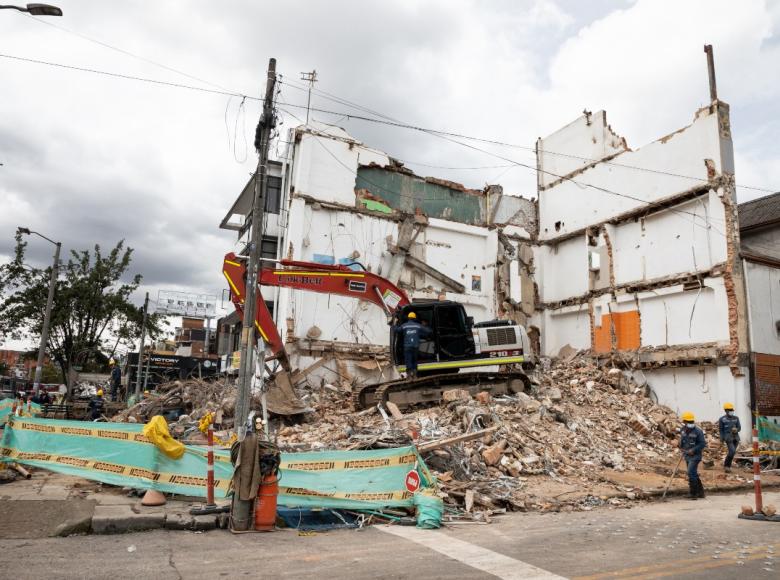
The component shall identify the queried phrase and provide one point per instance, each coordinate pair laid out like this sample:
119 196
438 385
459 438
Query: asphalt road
680 538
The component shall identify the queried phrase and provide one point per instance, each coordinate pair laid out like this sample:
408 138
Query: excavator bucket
281 398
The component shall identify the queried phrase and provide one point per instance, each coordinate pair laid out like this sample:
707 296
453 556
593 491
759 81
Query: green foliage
92 313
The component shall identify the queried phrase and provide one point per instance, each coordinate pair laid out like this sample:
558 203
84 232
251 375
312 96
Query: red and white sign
412 481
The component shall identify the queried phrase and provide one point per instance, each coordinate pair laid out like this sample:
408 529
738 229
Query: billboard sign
186 304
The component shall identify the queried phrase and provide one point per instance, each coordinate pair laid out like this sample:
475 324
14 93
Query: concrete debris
579 438
184 403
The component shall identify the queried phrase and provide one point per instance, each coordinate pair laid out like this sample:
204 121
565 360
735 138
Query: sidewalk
52 504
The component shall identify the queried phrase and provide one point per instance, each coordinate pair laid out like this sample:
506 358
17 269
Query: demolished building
632 255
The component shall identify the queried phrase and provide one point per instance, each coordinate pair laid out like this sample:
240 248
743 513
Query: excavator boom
313 277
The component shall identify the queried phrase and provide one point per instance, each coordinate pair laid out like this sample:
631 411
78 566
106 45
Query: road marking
680 567
480 558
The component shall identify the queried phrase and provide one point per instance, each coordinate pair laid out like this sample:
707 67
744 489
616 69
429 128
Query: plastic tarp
7 404
120 454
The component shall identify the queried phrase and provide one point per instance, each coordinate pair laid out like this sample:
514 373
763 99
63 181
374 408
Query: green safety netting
120 454
767 431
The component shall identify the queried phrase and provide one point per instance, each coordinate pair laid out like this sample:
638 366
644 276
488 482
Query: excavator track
430 389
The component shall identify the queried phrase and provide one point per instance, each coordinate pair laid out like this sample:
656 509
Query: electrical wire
449 136
125 52
394 122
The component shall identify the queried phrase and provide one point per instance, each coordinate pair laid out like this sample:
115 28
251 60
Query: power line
125 52
449 136
130 77
396 123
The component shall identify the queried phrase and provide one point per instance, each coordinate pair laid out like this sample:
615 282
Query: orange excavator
456 342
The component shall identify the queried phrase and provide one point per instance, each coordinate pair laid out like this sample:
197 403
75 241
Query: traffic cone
152 497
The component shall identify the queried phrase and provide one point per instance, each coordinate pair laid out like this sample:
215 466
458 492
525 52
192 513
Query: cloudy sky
93 159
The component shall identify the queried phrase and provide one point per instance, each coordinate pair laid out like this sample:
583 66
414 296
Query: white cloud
92 159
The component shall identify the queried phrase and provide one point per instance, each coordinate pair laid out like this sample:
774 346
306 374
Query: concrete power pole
47 320
311 78
246 369
141 350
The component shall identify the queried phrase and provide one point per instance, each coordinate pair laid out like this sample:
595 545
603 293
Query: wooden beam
424 448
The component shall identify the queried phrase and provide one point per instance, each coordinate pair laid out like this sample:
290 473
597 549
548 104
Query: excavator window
452 333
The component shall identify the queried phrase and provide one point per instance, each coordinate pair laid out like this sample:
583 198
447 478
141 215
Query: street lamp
47 314
35 9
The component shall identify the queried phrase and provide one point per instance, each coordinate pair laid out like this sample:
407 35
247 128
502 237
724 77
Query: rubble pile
184 403
559 444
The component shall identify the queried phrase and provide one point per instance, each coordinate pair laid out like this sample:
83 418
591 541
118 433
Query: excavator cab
452 338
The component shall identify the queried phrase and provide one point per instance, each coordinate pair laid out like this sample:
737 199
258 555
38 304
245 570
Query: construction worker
729 428
96 405
116 378
412 332
692 443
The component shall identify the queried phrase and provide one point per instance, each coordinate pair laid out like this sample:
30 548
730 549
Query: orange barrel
265 506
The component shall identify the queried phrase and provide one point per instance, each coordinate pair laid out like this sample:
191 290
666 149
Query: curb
121 519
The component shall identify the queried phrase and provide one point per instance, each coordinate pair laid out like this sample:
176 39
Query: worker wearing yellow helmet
692 443
728 429
96 405
412 332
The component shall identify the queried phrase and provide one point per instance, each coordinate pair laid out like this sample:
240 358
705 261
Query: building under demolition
631 255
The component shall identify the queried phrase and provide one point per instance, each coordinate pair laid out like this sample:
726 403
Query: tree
91 314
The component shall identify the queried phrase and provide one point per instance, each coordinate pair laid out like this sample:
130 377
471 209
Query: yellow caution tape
115 468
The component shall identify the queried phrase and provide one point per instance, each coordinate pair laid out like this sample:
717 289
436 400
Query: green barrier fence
767 431
120 454
7 404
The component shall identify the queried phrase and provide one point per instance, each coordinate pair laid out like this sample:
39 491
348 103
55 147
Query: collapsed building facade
631 255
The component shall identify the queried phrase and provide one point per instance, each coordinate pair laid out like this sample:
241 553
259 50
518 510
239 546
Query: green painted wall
407 194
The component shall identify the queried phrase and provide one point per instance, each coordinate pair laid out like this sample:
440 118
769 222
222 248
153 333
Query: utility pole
141 350
247 367
47 319
311 78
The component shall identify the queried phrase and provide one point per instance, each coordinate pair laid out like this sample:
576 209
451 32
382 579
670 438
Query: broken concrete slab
117 519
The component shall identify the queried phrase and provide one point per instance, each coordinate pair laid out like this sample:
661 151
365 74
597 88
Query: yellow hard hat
100 393
728 407
111 362
146 392
687 416
411 315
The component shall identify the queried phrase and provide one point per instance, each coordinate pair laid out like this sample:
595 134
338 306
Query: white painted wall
703 391
576 145
763 286
570 325
326 168
687 238
562 269
680 154
671 316
457 250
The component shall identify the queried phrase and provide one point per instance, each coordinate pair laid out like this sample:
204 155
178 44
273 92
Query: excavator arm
310 276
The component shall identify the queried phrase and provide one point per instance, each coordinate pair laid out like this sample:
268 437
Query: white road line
480 558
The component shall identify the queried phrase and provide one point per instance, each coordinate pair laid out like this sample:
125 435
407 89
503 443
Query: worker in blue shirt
692 443
412 332
729 428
